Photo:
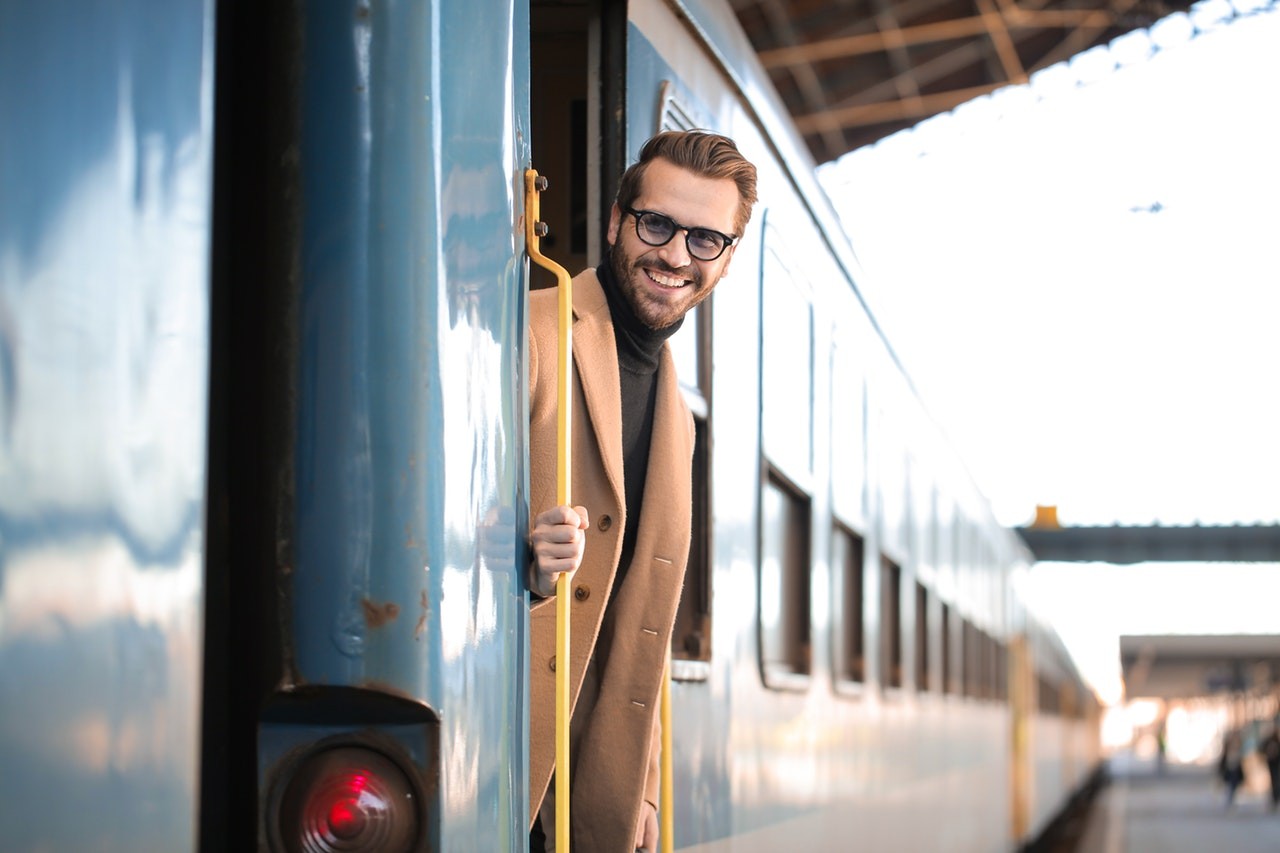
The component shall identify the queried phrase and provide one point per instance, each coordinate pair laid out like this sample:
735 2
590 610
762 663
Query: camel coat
614 743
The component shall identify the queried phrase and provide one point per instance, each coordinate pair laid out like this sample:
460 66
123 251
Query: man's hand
558 540
647 829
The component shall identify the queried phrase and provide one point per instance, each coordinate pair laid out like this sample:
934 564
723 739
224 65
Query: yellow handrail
534 228
667 801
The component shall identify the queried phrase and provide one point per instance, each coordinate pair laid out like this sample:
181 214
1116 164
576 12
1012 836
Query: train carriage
263 471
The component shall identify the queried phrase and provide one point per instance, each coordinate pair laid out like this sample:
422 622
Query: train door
577 52
365 676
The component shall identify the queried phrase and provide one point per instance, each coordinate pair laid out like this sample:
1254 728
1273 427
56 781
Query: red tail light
348 799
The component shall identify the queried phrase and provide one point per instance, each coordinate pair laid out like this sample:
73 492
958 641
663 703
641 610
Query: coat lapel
619 728
595 357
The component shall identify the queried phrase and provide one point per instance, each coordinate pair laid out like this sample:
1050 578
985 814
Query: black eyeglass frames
657 229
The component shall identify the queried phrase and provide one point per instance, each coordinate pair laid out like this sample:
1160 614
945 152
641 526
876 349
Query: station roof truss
854 71
1125 544
1184 666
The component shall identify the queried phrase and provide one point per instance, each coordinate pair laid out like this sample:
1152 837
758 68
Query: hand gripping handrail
534 231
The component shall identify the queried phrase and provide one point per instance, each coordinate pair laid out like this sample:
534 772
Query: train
263 462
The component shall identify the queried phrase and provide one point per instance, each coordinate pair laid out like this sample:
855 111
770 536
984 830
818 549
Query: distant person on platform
1270 752
1231 766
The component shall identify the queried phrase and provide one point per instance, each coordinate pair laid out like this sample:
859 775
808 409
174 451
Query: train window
909 522
691 639
784 583
1048 699
786 365
689 346
927 521
890 623
987 646
968 655
922 637
892 472
997 669
848 431
846 558
984 664
1001 670
944 628
691 349
976 670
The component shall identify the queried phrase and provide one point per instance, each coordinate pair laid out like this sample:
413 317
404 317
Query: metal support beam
1126 545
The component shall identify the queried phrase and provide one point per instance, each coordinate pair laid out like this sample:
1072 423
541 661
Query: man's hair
707 154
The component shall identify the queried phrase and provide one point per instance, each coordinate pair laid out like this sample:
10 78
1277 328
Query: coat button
552 663
582 592
605 522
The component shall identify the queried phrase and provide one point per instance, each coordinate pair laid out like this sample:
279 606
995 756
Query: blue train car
368 429
263 299
263 471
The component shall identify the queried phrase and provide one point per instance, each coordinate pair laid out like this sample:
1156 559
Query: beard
656 309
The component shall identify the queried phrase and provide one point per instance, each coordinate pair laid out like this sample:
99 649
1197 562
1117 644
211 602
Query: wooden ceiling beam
805 77
1010 62
863 115
925 74
896 50
928 72
957 28
1084 34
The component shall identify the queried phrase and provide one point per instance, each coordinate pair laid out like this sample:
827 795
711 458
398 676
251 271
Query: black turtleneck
639 348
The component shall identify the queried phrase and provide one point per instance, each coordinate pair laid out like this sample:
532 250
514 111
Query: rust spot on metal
421 627
376 615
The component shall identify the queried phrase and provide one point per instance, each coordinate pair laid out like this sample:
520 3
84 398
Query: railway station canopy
854 71
1123 544
1186 666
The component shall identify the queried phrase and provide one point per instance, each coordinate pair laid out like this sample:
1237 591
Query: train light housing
348 798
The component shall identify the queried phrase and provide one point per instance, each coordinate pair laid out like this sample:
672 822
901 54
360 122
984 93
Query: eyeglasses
657 229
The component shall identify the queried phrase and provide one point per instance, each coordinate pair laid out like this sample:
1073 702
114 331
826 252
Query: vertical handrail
667 800
534 229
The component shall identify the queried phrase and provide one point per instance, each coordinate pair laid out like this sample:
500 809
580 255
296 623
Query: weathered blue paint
105 176
410 468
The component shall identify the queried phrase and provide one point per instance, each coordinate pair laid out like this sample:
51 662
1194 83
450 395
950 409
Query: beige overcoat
614 743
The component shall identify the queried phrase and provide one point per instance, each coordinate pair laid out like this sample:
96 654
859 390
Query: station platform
1180 810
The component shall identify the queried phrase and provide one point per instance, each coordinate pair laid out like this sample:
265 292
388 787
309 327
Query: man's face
663 282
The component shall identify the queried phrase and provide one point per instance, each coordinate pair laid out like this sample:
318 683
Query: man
672 232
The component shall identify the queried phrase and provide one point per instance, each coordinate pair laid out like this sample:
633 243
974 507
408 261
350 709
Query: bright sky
1081 277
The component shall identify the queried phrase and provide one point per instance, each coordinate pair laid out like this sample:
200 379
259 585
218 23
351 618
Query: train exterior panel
382 501
263 493
106 138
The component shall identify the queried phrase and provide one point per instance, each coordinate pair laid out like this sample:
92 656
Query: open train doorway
577 58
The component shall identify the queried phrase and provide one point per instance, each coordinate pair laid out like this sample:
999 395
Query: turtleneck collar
638 345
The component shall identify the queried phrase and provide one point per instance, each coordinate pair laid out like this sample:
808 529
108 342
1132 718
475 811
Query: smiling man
679 213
